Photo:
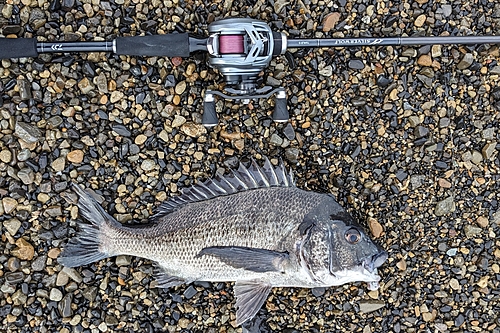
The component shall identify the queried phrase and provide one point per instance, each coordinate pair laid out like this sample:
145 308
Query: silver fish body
253 227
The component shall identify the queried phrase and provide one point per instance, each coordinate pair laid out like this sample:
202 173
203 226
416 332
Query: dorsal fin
242 179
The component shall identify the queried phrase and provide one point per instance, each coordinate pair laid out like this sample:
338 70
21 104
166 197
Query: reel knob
210 118
280 113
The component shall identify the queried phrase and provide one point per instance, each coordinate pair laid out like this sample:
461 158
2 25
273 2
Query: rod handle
17 48
168 45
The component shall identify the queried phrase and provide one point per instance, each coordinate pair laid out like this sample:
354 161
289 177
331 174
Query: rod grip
17 48
168 45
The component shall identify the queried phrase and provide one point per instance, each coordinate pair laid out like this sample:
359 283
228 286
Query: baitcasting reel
239 48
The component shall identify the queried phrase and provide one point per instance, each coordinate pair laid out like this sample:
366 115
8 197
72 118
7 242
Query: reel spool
240 49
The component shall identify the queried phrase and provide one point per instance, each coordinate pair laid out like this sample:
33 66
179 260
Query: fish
252 226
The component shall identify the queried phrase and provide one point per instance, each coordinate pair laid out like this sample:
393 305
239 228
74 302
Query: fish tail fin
89 244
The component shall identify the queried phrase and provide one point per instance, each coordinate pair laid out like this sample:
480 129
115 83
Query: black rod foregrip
168 45
17 48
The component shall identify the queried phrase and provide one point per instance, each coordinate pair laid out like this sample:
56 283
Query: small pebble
24 250
75 156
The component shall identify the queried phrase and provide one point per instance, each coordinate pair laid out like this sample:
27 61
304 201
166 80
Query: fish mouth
375 261
371 265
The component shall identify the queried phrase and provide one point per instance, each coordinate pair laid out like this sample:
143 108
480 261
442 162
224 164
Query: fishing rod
239 48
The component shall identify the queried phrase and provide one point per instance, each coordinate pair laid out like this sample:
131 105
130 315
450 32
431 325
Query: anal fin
166 280
250 295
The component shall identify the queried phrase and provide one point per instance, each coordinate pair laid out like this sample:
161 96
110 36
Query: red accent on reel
231 44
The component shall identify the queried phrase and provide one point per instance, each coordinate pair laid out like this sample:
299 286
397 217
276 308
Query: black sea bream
253 227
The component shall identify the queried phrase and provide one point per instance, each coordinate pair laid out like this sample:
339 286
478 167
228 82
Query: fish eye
352 236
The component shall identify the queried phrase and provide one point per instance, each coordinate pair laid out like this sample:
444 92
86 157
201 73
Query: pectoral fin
252 259
250 295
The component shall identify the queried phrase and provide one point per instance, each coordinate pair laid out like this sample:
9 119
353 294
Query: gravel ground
407 139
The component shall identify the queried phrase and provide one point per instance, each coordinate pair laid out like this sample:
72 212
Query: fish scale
252 226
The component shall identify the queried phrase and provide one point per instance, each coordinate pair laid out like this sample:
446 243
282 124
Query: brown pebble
424 60
401 265
75 156
444 183
482 221
177 100
230 136
239 144
330 21
121 282
140 139
176 61
419 21
193 130
24 250
54 253
13 264
375 227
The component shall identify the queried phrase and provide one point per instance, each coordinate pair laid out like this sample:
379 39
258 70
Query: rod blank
391 41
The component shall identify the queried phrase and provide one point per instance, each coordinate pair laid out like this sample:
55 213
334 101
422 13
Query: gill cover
332 242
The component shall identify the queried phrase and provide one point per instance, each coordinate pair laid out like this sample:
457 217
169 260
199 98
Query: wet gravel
407 138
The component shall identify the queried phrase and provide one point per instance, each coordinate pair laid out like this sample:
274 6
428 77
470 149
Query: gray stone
273 81
24 89
471 231
489 150
24 155
289 132
496 217
55 295
190 292
62 279
148 165
495 70
64 306
102 83
276 140
39 263
27 132
445 206
414 120
12 226
73 274
466 61
488 133
121 130
90 293
292 154
123 260
421 131
452 252
327 71
55 121
26 175
370 306
356 64
447 10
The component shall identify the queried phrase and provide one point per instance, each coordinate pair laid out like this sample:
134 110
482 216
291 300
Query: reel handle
17 48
